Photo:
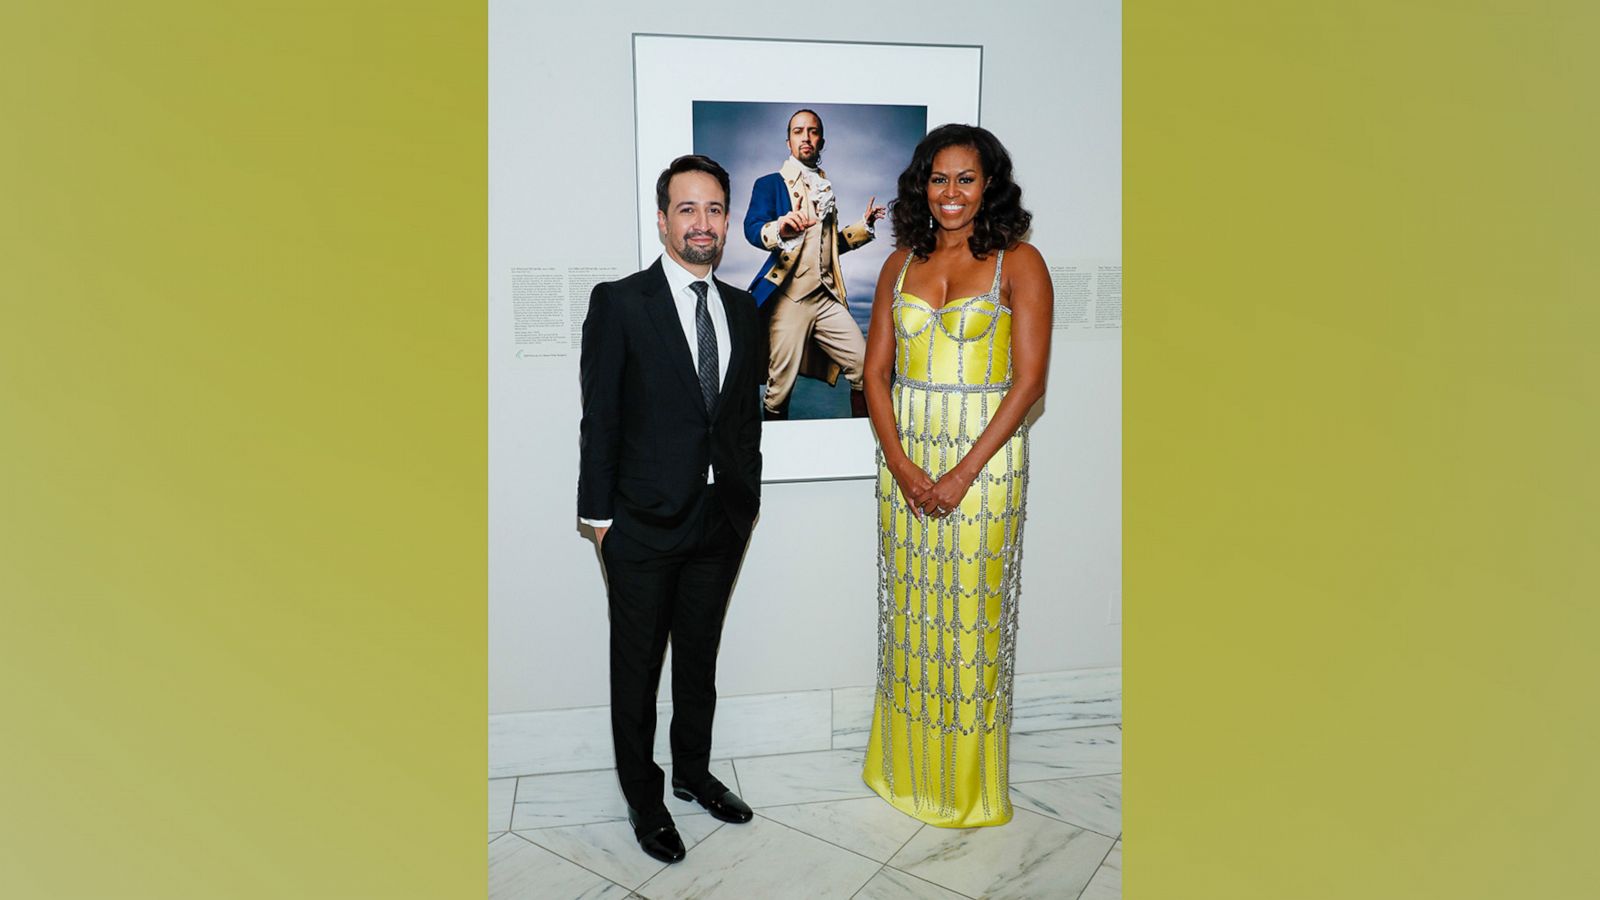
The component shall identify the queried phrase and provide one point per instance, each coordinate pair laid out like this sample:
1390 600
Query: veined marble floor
820 832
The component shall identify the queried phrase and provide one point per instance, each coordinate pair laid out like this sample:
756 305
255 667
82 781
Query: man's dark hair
690 163
1001 220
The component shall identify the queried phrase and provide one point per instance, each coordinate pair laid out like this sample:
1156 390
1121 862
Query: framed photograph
872 104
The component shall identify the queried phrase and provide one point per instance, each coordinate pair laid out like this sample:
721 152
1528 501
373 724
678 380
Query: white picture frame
671 72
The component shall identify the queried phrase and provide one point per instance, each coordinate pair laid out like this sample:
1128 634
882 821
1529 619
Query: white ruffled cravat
821 191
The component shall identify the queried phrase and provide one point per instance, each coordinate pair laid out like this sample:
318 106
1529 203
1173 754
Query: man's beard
698 256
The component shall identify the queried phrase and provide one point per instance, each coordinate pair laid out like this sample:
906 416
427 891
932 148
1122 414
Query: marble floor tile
802 777
519 870
561 740
1093 802
852 717
762 859
557 740
866 825
584 798
1107 881
1032 856
1067 753
893 884
610 849
759 724
501 792
571 798
1073 699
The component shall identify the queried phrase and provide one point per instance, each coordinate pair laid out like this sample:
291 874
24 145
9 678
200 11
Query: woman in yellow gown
957 353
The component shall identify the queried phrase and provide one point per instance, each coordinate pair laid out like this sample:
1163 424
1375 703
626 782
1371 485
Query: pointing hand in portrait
793 224
874 211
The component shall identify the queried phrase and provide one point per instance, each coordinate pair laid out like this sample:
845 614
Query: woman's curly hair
1001 221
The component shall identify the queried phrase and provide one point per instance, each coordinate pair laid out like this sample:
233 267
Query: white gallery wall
562 195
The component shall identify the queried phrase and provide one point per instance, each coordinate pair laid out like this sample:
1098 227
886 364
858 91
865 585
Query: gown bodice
965 342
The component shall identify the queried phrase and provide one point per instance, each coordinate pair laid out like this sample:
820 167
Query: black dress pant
654 595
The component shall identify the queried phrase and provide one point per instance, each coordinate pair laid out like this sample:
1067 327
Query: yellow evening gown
947 588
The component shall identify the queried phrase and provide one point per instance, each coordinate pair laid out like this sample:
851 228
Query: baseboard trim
569 740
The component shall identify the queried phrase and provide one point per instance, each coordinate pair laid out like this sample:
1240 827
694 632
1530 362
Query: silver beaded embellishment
927 657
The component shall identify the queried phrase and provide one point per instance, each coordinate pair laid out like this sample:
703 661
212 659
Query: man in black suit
670 480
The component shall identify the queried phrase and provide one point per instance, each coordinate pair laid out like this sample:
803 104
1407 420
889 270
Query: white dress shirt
683 298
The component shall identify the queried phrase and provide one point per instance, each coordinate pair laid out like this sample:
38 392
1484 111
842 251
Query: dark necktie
707 338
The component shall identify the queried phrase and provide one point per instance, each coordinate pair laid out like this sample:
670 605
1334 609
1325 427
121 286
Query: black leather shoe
659 841
717 799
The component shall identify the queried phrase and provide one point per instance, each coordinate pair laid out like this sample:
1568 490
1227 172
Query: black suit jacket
646 439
